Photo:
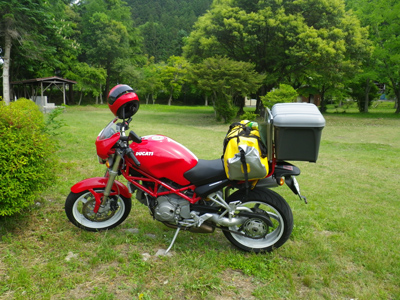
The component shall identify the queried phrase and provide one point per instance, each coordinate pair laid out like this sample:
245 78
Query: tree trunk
241 106
170 97
206 100
6 69
323 107
80 99
396 90
214 102
367 89
108 72
101 95
397 101
260 109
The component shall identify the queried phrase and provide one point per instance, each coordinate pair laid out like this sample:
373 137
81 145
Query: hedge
26 155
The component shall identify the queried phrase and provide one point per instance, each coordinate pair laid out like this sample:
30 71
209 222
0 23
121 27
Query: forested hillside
205 51
97 43
164 23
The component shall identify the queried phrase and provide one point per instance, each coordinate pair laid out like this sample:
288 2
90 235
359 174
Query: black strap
246 174
243 130
239 130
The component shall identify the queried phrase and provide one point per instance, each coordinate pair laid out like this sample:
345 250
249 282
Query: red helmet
123 101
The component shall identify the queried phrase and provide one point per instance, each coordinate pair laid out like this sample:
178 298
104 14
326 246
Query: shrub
225 109
248 115
25 155
52 123
285 93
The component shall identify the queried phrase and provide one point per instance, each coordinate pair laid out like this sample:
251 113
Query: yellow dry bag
245 155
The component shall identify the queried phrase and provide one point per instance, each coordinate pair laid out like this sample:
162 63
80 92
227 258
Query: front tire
260 237
79 210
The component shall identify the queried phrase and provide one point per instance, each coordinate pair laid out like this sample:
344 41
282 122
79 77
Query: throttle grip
133 157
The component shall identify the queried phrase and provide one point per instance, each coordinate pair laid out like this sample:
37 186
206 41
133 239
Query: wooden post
63 93
71 94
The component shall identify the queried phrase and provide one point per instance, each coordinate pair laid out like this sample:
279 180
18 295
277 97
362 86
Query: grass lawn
345 243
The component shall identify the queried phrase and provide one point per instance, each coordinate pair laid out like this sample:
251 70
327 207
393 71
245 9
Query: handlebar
134 137
131 137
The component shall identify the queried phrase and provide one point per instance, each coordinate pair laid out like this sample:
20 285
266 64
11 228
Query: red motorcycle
180 190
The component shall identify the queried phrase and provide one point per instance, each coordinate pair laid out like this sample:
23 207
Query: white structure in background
250 102
41 101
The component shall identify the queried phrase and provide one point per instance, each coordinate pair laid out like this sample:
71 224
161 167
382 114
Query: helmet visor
119 91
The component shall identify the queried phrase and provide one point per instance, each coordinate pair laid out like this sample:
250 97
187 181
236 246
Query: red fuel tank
162 157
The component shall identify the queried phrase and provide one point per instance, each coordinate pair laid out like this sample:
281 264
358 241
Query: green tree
155 40
90 80
150 82
64 39
165 23
109 39
358 91
226 80
383 19
362 87
284 39
146 79
174 76
22 24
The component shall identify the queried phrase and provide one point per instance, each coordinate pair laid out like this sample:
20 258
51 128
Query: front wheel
79 209
255 235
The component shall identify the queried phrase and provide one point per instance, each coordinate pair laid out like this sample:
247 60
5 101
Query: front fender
100 182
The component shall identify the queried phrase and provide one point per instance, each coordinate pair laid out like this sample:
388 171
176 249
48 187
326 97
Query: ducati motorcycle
180 190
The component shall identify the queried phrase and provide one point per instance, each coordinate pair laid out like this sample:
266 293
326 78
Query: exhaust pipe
204 228
223 221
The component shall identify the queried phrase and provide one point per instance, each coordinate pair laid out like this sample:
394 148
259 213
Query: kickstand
173 239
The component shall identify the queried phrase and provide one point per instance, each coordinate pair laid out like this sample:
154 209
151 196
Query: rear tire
265 238
79 210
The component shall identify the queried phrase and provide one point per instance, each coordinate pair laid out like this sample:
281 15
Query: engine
171 208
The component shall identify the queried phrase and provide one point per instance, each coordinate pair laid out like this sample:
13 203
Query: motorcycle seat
206 171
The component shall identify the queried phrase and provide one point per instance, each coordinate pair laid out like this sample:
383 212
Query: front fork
112 174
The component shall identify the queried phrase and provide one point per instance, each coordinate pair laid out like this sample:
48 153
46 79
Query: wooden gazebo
31 87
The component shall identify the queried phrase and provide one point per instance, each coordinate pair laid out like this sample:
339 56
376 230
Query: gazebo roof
44 84
51 80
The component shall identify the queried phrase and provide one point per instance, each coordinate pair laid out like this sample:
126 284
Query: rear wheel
79 209
255 233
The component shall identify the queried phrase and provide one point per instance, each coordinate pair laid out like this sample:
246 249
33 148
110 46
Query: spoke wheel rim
259 239
82 211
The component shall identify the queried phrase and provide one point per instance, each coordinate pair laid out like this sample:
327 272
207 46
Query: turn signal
108 164
101 161
281 181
